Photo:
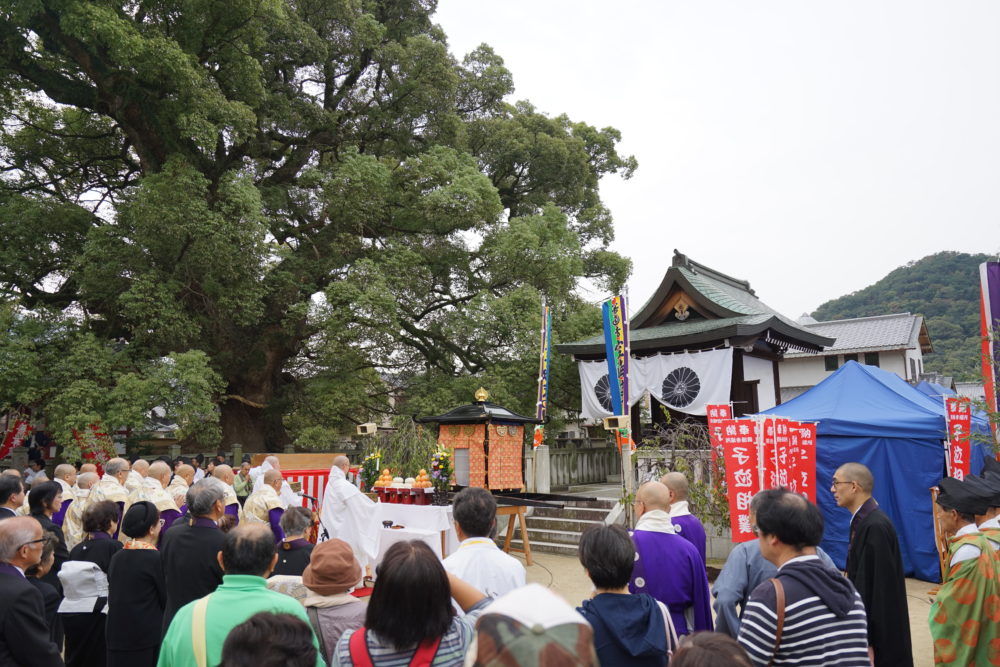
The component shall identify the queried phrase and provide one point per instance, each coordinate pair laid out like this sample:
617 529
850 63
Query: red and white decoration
959 414
765 453
313 483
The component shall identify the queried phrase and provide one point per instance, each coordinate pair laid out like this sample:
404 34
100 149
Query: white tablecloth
420 517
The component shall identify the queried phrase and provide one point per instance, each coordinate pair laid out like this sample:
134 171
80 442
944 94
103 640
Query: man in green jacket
200 628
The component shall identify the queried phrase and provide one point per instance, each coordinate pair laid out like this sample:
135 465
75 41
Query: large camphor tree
253 211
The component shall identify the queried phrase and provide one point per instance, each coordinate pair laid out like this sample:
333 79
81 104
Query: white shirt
966 551
199 474
480 562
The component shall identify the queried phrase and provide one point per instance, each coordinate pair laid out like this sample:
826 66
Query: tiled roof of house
870 334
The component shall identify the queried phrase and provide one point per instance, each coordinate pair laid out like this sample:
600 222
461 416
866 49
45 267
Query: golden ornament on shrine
482 395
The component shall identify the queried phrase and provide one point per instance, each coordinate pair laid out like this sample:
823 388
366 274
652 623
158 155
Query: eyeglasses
834 483
38 541
755 530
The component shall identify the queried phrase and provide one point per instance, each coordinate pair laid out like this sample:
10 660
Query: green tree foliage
315 195
52 361
944 288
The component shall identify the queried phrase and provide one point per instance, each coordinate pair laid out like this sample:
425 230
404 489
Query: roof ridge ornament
482 395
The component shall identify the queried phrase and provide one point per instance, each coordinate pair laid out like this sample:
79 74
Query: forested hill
944 288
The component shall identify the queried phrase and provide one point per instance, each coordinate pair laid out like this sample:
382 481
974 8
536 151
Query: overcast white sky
808 147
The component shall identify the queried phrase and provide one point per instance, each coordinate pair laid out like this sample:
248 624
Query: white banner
596 388
686 381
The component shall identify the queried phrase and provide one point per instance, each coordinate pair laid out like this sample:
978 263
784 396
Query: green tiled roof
676 329
738 311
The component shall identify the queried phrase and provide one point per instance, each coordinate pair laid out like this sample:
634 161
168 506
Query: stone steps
558 530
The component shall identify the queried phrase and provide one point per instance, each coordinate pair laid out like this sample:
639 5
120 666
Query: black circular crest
681 387
603 392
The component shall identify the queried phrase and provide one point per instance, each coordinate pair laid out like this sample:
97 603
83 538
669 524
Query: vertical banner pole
616 346
544 357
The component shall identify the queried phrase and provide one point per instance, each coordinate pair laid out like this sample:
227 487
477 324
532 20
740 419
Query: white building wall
762 370
896 361
801 371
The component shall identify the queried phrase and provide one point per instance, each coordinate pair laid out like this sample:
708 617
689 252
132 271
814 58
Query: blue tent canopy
934 390
874 417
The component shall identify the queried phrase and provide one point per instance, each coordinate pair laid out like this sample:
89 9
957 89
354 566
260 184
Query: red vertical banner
715 414
768 453
739 442
802 449
783 463
959 415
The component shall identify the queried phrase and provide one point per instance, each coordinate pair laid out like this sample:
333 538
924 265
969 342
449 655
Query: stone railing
574 461
652 464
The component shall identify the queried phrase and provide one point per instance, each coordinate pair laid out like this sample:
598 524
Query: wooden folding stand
512 511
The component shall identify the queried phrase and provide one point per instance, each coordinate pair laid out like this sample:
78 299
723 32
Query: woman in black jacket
99 522
44 500
136 593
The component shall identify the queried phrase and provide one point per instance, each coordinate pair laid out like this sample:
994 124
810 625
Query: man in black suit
11 495
875 567
189 550
24 638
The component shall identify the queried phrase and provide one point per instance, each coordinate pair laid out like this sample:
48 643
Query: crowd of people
193 562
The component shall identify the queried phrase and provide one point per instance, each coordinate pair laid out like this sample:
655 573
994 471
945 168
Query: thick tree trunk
247 414
258 430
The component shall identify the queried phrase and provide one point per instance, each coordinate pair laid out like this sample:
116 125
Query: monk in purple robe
667 566
686 524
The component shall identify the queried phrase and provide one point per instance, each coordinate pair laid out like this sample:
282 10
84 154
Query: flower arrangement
441 470
370 469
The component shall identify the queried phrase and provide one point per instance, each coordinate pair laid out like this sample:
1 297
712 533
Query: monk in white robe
154 490
264 505
73 521
138 473
288 497
179 485
65 476
112 487
349 515
224 474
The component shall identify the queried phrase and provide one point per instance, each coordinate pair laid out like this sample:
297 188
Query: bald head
273 478
186 472
88 467
677 484
12 473
64 469
85 480
653 496
159 471
343 463
857 473
224 474
274 462
141 466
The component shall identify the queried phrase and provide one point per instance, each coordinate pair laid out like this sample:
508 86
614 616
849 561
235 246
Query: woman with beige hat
331 574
